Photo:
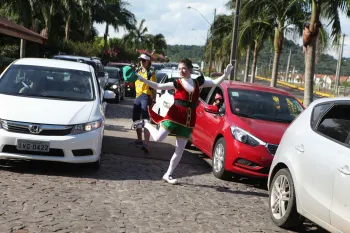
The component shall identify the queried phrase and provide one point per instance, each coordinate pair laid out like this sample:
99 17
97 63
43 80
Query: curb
295 87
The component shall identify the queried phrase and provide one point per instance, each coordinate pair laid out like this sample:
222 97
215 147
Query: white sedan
52 110
310 173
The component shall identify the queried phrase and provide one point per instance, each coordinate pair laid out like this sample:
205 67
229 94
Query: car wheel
95 165
218 162
117 98
188 145
282 201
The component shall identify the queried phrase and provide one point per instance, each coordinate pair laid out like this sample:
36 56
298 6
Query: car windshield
112 73
264 105
47 82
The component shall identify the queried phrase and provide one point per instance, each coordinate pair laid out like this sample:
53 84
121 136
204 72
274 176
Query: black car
115 83
93 61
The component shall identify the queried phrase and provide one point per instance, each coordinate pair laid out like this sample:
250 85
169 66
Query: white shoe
169 179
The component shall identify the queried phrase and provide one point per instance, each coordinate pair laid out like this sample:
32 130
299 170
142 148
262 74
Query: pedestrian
145 96
180 118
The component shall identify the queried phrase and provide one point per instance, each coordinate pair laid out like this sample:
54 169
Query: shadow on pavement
120 161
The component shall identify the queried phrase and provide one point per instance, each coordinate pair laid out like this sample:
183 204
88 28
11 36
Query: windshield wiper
60 97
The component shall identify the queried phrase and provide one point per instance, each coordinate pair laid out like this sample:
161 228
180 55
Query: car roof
118 63
95 59
53 63
254 86
111 68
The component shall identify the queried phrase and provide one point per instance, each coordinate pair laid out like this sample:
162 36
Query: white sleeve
213 82
158 86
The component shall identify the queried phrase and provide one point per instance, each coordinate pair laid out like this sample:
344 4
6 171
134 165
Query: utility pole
337 75
211 48
287 71
234 41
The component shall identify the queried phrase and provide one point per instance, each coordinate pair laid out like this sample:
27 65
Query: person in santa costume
181 116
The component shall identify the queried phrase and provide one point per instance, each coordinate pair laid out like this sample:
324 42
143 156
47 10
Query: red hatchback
243 134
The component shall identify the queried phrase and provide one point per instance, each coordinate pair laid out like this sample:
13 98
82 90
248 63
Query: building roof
10 28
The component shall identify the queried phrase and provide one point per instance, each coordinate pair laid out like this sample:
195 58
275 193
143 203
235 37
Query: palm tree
137 36
221 35
116 14
70 8
23 10
282 14
328 10
158 43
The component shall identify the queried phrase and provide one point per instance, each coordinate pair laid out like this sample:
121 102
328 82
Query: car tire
95 165
219 160
117 98
291 218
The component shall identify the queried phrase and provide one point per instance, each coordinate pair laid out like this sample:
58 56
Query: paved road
127 194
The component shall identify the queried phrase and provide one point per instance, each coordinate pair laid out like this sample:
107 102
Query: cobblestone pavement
127 194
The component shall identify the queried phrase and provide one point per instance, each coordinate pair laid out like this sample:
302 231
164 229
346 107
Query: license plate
38 146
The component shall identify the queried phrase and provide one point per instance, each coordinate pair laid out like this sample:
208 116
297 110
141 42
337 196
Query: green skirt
177 129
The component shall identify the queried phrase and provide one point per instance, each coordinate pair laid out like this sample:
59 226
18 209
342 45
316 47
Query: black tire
188 145
291 219
221 173
95 165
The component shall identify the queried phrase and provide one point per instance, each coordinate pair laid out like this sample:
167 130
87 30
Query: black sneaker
137 143
145 148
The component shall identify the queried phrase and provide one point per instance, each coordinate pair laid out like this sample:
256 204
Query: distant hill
326 64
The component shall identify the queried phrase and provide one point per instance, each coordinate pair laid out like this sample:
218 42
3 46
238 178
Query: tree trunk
255 59
278 45
247 65
276 61
105 36
67 27
310 55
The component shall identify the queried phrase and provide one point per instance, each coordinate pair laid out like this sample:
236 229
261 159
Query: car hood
44 111
268 131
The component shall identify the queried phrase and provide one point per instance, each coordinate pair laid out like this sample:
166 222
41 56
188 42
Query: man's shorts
140 110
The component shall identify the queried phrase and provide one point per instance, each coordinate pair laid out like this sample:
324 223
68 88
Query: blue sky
175 21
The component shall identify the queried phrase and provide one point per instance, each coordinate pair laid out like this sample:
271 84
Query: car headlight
245 137
88 127
166 104
114 87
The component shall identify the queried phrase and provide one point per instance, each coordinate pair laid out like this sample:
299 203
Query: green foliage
193 52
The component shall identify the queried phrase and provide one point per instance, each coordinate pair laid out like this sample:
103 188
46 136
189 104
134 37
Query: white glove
227 71
139 77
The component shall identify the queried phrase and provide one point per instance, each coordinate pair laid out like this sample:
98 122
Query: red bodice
185 116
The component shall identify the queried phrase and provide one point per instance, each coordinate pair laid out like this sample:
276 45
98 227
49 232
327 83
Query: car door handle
345 170
300 148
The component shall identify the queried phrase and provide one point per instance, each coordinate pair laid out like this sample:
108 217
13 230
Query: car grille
27 128
272 148
13 150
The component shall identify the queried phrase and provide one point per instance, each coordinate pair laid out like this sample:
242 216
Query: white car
165 98
52 110
310 174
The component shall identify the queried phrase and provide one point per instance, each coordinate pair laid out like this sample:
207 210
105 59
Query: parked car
165 98
52 110
157 66
243 135
129 86
93 61
310 173
115 83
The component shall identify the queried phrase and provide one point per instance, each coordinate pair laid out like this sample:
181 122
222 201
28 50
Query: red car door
198 135
213 125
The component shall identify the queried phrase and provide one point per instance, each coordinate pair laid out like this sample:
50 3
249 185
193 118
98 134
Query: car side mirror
212 109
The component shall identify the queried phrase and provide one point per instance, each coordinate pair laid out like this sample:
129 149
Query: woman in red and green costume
181 116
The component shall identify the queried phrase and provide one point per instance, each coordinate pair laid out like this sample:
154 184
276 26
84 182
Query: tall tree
282 14
330 11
